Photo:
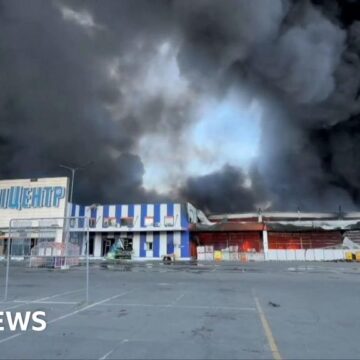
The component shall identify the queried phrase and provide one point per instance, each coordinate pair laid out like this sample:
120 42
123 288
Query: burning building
278 235
35 209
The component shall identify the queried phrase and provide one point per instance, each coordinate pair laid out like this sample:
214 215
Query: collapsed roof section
330 225
227 227
282 222
286 216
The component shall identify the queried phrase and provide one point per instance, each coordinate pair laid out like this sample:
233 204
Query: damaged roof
285 226
313 225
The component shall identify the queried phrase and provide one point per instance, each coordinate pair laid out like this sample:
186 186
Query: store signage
19 197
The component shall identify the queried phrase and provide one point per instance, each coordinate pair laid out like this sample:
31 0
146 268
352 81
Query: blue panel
170 209
185 244
143 214
142 244
157 213
81 213
105 216
131 210
169 242
156 244
93 213
73 209
184 220
106 211
118 213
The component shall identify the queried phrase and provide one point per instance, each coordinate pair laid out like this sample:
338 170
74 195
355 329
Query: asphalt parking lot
233 311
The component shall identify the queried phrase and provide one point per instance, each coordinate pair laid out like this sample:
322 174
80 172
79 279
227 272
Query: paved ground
255 310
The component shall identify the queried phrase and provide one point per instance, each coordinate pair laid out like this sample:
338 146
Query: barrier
306 255
41 244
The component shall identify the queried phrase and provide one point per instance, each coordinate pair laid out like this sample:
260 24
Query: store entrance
118 246
107 244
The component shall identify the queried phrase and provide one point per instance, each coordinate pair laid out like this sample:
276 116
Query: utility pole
73 171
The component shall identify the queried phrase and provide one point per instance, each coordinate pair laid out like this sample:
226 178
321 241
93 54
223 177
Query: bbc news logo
13 321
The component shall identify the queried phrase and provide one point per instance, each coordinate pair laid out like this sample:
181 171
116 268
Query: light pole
73 171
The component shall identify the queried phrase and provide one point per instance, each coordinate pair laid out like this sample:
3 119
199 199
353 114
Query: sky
230 105
226 133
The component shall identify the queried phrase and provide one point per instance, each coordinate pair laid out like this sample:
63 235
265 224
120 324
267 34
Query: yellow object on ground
217 255
357 256
349 256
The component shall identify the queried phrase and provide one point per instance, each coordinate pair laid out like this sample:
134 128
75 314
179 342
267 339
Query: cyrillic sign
19 197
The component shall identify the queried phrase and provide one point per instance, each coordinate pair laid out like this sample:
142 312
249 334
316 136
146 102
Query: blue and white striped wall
165 239
164 242
136 211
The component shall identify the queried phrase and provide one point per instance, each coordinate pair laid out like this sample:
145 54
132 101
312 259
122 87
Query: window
149 246
105 222
127 221
149 221
169 221
128 244
92 222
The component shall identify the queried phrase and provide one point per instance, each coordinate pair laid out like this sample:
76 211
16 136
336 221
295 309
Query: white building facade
24 202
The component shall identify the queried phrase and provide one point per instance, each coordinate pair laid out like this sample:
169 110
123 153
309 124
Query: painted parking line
87 307
65 316
267 329
20 303
112 350
171 305
10 337
107 354
48 302
205 307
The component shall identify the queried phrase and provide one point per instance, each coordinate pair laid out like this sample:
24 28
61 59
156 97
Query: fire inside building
177 230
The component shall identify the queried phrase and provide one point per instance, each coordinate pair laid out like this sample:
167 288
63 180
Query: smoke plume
120 84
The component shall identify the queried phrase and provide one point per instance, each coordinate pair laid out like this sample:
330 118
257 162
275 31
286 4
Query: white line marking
177 299
171 305
184 306
48 302
60 294
106 355
10 337
22 302
87 307
69 314
111 351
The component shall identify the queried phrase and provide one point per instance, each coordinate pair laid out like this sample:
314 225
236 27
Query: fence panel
306 255
37 254
230 247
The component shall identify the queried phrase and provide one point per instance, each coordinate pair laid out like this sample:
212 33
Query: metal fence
35 246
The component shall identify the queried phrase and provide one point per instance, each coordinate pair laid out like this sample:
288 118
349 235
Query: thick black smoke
226 190
78 85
